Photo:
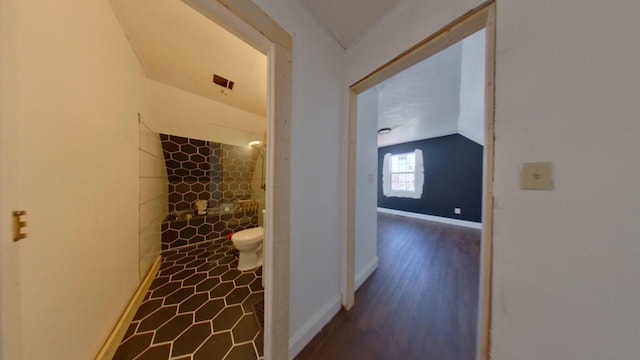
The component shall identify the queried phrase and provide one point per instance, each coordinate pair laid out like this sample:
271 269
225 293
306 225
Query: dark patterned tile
166 289
221 290
173 328
219 270
133 347
209 310
146 308
194 279
130 330
208 284
178 296
237 295
193 302
256 285
191 339
215 347
244 279
159 281
171 270
259 343
227 318
159 352
183 274
231 274
197 303
242 352
245 330
155 320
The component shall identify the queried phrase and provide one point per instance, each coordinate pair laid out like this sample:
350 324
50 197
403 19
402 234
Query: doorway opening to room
218 108
421 150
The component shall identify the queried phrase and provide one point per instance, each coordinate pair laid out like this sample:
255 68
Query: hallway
421 302
199 306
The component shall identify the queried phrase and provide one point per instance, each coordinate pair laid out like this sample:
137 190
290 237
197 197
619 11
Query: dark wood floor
421 302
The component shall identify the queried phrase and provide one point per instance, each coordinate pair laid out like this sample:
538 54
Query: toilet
249 244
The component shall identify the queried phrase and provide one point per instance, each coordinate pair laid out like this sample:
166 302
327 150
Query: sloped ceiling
348 20
441 95
179 47
422 101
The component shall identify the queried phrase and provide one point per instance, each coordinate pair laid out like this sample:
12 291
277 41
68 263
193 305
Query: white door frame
250 23
482 17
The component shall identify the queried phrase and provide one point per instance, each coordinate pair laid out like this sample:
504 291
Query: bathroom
214 189
202 166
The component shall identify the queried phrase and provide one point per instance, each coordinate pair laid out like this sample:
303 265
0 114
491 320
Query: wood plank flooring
421 302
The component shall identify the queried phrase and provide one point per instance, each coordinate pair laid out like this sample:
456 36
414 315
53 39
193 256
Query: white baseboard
303 336
364 273
469 224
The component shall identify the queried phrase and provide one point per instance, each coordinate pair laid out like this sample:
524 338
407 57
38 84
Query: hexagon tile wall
204 170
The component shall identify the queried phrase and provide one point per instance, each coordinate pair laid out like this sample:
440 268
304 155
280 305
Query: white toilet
249 244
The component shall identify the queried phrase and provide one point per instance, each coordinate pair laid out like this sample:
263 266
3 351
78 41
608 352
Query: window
403 175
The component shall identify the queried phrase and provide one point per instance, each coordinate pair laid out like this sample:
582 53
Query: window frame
418 176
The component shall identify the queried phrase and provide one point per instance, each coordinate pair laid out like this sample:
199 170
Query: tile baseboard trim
111 345
364 274
440 219
302 337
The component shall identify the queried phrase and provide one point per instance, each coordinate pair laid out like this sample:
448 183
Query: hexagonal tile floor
199 306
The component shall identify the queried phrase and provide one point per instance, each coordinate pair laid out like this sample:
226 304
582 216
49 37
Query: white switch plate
457 211
536 176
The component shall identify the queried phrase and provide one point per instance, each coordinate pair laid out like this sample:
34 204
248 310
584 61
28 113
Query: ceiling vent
225 83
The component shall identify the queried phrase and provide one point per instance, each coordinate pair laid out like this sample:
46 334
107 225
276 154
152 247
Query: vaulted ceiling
345 19
441 95
179 47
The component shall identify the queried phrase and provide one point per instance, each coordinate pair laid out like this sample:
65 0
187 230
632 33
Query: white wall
366 231
472 84
565 261
315 170
177 112
152 195
70 91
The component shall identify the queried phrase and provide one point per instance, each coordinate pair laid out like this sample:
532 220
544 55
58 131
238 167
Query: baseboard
444 220
303 336
364 274
111 345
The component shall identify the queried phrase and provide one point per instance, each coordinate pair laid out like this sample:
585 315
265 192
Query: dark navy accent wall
452 178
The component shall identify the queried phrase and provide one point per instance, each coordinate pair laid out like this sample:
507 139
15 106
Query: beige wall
177 112
70 91
152 196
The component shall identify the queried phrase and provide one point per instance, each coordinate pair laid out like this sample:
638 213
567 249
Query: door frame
250 23
482 17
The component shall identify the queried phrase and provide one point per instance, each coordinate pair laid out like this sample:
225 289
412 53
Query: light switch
536 176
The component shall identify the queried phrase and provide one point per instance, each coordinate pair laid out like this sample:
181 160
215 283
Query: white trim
444 220
364 274
302 337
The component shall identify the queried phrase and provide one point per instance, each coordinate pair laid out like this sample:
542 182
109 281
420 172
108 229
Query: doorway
30 269
478 19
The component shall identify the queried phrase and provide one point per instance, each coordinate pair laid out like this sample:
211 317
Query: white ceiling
423 101
439 96
179 47
346 20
